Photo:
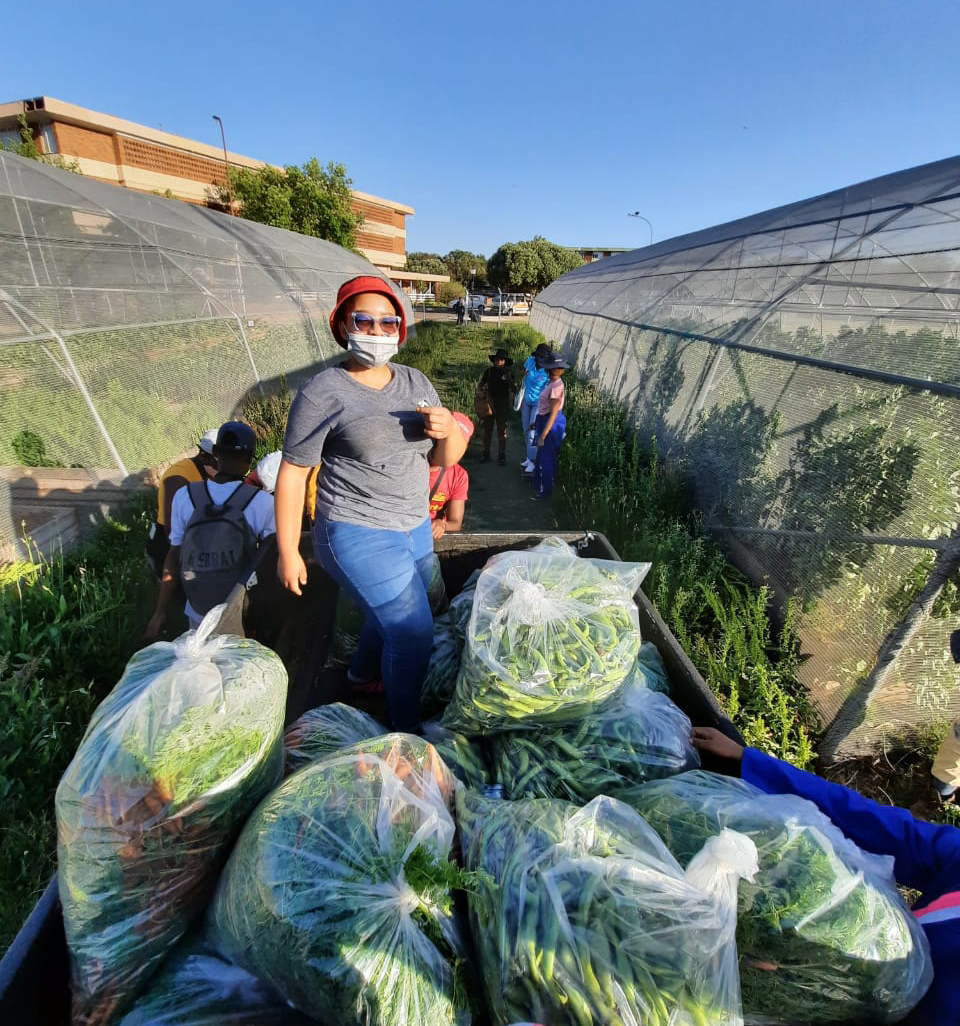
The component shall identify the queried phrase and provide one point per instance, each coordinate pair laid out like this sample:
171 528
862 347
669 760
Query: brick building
150 160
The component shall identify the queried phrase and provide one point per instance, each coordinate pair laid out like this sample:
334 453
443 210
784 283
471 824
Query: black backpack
218 547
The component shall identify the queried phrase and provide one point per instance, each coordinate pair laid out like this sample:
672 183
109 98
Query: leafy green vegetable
173 761
822 932
338 890
583 918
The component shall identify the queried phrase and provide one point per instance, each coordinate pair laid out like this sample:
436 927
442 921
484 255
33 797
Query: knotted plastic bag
823 934
550 637
338 891
174 759
636 736
582 917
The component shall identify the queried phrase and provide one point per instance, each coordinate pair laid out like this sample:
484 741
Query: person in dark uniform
501 388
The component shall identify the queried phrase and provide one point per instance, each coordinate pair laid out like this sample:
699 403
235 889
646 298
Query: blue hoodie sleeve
923 852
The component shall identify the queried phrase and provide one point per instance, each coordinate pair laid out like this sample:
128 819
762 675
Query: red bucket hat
366 283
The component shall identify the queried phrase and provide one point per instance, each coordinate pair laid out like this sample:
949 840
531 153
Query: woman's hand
708 739
439 528
155 626
540 442
292 572
438 421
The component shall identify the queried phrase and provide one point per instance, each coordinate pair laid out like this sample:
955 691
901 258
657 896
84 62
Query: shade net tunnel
803 366
130 323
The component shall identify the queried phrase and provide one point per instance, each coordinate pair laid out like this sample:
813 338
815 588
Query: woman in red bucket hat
374 428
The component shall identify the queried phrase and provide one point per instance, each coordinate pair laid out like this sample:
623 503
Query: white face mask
372 350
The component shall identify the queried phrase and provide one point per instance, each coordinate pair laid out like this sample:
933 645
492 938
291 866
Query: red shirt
454 485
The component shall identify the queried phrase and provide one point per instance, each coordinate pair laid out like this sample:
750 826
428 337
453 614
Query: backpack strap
437 483
242 496
197 491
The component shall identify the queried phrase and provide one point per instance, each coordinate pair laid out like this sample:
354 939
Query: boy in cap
215 526
192 468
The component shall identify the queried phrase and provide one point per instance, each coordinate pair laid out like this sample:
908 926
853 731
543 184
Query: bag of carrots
174 760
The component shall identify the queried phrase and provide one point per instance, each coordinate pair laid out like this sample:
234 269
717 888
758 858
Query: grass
67 628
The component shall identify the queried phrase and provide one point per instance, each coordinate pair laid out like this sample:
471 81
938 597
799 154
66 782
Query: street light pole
636 213
226 163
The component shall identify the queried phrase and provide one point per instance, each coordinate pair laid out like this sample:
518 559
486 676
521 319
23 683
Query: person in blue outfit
926 857
374 428
550 427
534 378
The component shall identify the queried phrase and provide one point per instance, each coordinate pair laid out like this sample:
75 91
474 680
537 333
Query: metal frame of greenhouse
130 323
803 364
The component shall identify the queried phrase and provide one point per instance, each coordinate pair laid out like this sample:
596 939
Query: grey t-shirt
371 444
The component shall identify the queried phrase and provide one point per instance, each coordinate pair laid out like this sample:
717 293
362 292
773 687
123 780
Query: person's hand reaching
714 742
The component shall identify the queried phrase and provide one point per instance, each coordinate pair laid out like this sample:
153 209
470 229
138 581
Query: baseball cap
466 424
554 362
208 440
366 283
235 436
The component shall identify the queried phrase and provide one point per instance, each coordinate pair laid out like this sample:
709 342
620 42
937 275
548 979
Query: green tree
460 262
530 266
426 263
312 200
27 147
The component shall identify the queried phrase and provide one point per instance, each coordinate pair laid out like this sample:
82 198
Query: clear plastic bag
823 935
196 988
582 917
550 637
463 756
174 759
441 677
639 735
326 729
649 669
337 892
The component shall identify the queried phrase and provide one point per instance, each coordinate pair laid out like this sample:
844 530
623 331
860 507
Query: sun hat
500 354
356 286
555 362
267 470
235 436
207 441
466 424
541 352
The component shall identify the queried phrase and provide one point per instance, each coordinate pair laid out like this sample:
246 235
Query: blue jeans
387 573
545 472
528 414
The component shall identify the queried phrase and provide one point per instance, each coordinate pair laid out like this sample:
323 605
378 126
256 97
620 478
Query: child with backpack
216 527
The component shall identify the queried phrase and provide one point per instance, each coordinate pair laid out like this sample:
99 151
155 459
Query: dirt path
501 498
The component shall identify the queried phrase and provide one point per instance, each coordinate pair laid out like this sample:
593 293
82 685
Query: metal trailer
34 973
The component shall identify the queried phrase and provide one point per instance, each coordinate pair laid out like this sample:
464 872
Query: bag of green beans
639 735
823 934
581 917
550 637
463 756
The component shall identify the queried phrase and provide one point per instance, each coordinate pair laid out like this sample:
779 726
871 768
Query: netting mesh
804 365
130 324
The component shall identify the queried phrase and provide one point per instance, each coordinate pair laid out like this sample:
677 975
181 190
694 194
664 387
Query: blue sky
530 117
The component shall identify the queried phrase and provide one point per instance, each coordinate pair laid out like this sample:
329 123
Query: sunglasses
364 322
